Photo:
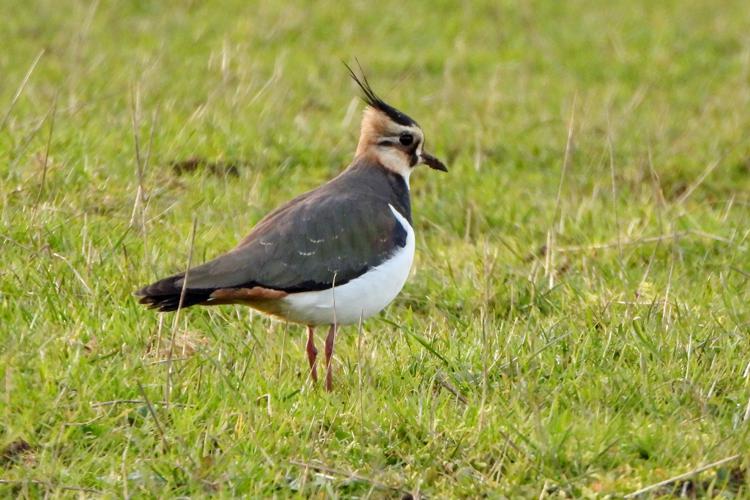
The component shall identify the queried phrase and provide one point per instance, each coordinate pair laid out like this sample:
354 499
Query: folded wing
316 240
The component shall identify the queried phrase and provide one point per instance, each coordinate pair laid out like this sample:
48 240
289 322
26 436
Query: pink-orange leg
312 352
329 357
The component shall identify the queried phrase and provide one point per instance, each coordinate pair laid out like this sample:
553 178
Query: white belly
359 298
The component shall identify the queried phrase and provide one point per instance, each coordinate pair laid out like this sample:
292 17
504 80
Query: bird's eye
406 139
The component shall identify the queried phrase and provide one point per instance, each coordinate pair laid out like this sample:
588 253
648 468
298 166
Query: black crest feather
372 99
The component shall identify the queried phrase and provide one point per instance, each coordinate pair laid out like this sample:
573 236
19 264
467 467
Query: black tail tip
166 295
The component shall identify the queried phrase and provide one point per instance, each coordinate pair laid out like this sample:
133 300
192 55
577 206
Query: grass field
577 320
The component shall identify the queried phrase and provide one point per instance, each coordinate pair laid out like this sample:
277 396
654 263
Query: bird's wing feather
305 245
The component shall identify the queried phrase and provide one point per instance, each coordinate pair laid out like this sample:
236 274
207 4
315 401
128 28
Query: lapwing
335 255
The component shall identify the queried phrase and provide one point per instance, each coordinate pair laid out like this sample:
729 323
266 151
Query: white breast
359 298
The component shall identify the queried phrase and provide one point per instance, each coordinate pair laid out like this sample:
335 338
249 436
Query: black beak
432 162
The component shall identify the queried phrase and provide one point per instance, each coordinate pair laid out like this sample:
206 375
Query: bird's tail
165 294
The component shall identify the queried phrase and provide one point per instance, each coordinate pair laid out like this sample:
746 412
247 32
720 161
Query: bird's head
394 139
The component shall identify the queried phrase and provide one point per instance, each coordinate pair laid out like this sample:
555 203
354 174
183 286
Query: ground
576 322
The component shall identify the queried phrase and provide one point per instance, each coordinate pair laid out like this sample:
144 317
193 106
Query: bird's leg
312 352
329 357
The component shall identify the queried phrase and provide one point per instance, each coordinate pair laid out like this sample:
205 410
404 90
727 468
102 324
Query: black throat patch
400 198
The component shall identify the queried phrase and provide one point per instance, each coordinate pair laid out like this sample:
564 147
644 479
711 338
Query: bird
335 255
